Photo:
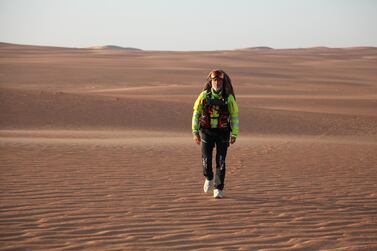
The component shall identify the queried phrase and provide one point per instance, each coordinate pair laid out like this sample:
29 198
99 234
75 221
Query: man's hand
232 140
196 138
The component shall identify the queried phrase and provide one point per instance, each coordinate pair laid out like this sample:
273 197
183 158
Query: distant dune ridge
96 150
257 48
114 47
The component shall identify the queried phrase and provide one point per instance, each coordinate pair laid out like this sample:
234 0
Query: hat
217 74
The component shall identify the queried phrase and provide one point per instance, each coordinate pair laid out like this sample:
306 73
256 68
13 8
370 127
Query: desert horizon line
131 48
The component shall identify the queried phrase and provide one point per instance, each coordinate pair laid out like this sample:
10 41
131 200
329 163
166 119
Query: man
214 122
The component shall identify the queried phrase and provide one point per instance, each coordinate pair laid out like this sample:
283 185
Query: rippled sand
96 154
116 193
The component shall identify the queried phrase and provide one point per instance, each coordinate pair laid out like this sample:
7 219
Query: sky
191 25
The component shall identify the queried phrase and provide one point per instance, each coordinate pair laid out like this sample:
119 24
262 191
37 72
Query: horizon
117 47
169 26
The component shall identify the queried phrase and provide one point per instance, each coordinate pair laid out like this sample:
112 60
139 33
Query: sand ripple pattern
280 195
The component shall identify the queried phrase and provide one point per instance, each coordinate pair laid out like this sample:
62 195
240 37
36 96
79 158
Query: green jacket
232 107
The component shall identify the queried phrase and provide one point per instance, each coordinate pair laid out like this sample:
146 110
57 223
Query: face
217 83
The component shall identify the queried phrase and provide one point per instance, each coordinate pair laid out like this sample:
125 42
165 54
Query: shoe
208 185
217 193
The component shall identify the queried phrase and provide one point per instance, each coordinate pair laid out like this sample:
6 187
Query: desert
96 150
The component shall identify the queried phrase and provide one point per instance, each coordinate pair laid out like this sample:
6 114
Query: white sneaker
208 185
217 193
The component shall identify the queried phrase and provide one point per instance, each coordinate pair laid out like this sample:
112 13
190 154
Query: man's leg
222 144
207 146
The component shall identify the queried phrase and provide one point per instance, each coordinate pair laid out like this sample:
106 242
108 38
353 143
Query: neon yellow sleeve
233 110
196 114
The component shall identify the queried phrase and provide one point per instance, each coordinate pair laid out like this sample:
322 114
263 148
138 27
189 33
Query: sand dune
96 151
133 192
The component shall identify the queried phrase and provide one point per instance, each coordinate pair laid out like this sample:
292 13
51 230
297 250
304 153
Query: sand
96 150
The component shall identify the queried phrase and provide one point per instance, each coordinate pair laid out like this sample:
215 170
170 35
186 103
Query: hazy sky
190 24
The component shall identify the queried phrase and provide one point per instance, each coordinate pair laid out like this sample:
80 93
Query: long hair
227 84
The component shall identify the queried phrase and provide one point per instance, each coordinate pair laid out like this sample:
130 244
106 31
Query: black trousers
211 138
